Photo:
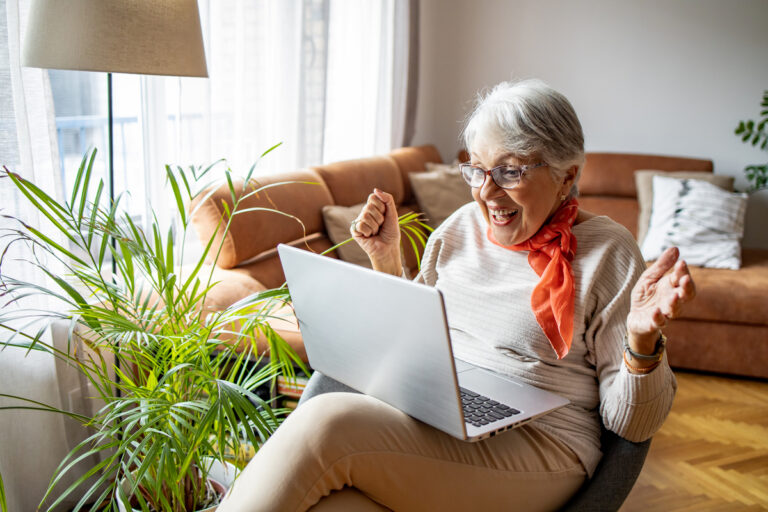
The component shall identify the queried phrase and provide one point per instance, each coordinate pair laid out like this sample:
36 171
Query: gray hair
530 120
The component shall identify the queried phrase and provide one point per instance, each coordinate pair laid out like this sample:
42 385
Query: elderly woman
534 288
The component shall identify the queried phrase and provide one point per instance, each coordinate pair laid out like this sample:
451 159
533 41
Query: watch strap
658 352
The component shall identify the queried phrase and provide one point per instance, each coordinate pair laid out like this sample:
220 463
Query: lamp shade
148 37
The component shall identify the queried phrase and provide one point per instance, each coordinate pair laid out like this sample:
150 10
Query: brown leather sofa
724 330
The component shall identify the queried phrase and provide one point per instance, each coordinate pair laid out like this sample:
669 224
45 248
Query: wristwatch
658 351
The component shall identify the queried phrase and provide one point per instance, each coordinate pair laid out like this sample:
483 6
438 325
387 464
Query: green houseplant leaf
3 503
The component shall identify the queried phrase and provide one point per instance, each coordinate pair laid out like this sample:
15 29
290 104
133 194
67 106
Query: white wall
665 76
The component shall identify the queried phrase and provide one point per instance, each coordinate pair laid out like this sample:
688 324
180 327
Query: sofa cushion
738 349
231 285
411 160
704 221
299 195
350 182
267 264
440 191
732 296
282 320
621 209
337 223
644 185
613 174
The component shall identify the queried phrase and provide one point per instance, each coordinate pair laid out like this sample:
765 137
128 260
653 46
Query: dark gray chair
607 489
614 477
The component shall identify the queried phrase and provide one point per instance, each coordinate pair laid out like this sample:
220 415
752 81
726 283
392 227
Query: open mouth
502 217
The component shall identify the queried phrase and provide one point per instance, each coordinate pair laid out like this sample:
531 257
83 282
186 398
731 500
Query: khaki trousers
338 441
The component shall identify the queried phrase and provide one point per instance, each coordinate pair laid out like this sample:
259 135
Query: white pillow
644 186
704 221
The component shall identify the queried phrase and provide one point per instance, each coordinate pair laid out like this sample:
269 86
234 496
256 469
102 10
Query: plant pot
220 475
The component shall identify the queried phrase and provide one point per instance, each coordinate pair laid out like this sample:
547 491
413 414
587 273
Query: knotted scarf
551 250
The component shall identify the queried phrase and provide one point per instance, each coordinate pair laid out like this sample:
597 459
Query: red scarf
551 250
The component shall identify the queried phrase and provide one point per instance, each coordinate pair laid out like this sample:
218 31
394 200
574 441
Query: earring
562 197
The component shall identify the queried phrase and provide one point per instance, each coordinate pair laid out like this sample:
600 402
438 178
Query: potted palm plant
175 383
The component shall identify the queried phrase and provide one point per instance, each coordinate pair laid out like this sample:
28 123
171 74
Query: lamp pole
111 171
111 165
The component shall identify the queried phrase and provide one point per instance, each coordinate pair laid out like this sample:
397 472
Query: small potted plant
175 382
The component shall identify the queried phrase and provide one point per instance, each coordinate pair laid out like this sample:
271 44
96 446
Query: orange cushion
621 209
613 174
413 159
302 198
350 182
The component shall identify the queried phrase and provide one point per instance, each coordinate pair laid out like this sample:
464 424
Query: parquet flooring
712 452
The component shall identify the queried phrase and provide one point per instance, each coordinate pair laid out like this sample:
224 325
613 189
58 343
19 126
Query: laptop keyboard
480 410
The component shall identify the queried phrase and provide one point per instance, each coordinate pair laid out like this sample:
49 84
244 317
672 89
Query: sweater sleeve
455 223
633 406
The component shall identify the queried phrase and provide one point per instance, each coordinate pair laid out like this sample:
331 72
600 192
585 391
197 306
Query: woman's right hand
377 232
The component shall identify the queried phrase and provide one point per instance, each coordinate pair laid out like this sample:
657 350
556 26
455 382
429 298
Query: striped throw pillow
704 221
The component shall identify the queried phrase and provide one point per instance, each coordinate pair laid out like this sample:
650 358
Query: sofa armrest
300 197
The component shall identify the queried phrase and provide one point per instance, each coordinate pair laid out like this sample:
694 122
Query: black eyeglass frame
468 173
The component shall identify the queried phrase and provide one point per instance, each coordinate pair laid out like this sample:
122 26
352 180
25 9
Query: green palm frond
3 503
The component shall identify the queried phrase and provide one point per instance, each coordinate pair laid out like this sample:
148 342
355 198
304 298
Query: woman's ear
569 179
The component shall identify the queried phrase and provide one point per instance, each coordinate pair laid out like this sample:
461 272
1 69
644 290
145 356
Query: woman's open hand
377 231
658 296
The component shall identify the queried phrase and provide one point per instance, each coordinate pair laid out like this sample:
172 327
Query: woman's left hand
658 296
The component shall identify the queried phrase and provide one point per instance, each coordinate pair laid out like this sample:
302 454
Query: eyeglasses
505 176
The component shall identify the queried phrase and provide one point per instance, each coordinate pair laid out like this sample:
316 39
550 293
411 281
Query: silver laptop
388 337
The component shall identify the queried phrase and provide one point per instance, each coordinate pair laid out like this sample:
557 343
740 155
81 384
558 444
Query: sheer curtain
330 79
33 443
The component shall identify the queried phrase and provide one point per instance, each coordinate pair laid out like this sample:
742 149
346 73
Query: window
315 75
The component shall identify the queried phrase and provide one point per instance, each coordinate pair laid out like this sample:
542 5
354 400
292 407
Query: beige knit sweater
487 291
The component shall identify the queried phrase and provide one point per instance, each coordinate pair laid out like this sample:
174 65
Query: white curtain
33 443
328 78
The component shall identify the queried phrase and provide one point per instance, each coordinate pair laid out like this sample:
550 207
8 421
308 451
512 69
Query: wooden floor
711 453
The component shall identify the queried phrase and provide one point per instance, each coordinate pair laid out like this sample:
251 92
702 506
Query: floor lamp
147 37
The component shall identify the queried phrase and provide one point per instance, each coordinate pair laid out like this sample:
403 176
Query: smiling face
515 215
